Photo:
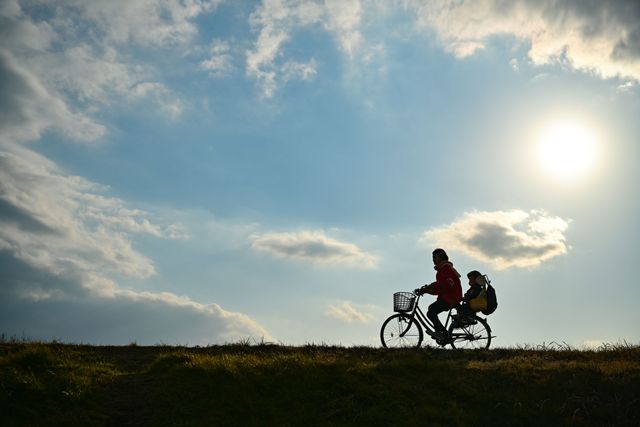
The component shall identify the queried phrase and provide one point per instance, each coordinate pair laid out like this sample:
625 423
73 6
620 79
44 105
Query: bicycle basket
403 301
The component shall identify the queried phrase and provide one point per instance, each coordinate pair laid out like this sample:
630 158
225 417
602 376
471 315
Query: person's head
439 257
473 276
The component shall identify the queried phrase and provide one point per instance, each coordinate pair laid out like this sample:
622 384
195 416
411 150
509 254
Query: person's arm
474 292
428 289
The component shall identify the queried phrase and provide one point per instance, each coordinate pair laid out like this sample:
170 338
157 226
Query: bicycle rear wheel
400 330
474 336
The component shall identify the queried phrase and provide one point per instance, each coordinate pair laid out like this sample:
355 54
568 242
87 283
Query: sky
206 171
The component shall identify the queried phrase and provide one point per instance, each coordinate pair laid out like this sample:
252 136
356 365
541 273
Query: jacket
473 292
447 285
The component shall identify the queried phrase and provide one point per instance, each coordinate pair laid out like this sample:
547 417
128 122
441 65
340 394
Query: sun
567 151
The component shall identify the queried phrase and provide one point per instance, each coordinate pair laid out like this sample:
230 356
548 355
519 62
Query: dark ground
57 384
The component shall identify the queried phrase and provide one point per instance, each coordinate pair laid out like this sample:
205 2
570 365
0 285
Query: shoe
458 320
461 321
440 336
443 341
468 321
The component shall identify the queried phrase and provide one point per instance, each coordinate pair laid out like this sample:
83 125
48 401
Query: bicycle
404 329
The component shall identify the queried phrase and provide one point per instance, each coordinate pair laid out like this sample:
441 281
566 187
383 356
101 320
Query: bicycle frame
427 325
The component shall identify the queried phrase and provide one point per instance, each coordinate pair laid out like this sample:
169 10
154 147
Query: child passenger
476 287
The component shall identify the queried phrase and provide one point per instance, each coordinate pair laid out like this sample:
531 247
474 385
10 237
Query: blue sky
208 171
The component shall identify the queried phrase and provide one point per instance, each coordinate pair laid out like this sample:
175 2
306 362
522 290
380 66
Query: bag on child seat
492 300
479 303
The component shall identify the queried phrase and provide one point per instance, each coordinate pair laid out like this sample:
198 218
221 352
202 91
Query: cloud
348 313
219 63
83 227
600 37
63 247
62 64
276 21
66 247
504 239
344 20
314 247
27 108
159 94
626 87
145 22
42 304
295 70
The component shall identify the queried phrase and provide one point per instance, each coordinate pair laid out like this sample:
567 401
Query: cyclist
447 287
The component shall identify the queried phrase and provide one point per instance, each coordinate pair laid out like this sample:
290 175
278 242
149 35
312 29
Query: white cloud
163 97
58 72
504 239
314 247
626 87
344 20
219 63
598 37
144 22
347 312
84 74
295 70
601 37
276 22
260 61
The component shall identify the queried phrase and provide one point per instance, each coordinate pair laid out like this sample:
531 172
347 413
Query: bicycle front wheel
473 336
400 330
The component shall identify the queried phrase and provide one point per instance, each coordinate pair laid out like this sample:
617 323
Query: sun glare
566 150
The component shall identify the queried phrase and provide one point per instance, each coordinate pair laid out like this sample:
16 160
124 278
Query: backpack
492 300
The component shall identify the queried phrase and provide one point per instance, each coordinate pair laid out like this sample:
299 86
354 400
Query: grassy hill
57 384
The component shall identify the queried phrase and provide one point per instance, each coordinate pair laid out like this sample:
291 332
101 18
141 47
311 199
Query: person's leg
465 310
432 313
466 315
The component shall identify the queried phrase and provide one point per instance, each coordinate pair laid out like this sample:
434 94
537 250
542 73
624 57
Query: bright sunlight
567 150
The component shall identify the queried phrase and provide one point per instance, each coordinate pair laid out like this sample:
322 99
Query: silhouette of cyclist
447 287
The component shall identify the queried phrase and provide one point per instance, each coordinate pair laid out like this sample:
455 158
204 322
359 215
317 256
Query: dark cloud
590 35
64 244
13 88
629 46
28 108
20 280
10 213
500 241
504 239
313 246
39 304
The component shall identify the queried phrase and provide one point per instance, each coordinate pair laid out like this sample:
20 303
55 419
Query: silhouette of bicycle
405 328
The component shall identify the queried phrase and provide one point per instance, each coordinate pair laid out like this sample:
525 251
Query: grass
58 384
